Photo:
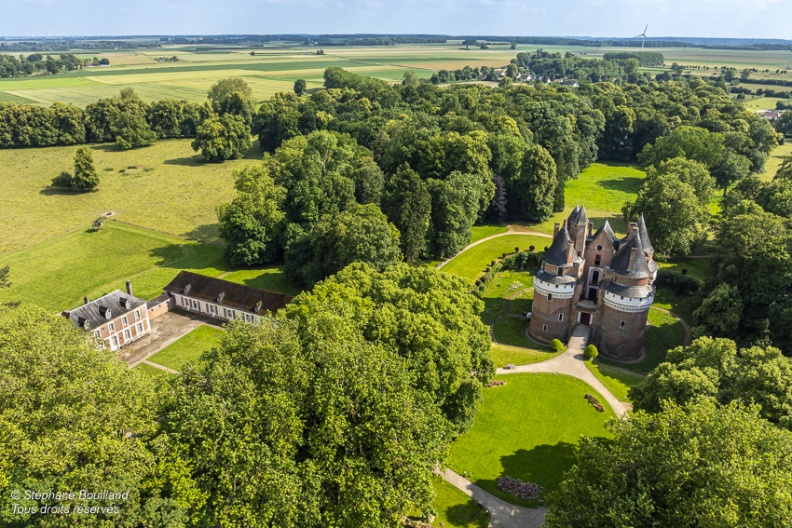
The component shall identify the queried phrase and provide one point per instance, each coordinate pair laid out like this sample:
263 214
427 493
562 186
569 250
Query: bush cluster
518 488
595 402
678 282
523 260
556 345
591 352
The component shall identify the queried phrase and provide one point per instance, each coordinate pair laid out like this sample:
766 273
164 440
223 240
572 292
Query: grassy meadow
471 263
528 429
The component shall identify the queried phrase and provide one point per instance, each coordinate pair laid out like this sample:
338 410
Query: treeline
546 65
11 66
126 120
69 45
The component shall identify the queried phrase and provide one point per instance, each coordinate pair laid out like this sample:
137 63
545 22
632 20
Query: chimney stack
129 287
590 229
85 299
556 227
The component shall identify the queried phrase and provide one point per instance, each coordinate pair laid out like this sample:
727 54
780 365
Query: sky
598 18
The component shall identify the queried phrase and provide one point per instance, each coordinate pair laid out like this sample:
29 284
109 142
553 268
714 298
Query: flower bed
595 402
518 488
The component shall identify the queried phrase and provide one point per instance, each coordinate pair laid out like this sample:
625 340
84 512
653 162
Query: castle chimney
632 230
85 299
556 228
129 287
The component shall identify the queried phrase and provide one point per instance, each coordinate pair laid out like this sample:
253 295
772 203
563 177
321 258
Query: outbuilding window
549 296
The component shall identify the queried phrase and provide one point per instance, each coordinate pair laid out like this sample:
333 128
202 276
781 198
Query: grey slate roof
647 244
558 251
554 279
635 292
631 264
610 236
225 293
95 313
578 215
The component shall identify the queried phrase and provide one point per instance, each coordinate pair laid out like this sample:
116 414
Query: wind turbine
644 37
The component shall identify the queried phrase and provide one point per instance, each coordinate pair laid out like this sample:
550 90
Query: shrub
518 488
684 271
591 352
496 383
516 250
531 248
556 345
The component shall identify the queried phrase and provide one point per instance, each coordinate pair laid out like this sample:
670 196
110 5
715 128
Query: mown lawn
528 429
503 355
471 263
455 509
499 287
511 331
485 231
698 268
188 348
617 380
602 188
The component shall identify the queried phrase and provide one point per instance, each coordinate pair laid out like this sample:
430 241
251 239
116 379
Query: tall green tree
535 188
252 223
222 138
428 317
408 205
698 465
305 427
84 178
299 86
73 417
455 206
131 130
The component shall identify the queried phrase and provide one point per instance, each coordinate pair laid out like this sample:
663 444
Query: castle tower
625 297
554 289
578 226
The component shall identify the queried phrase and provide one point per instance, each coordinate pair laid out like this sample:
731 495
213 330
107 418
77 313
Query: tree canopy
697 465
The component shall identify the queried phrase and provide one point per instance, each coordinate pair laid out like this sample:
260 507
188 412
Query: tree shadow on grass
186 161
206 234
543 464
628 185
467 514
190 256
57 191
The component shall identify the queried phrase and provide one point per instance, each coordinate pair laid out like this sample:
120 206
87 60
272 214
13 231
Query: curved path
512 230
502 514
685 325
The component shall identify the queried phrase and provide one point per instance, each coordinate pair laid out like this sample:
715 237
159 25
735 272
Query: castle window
560 317
621 325
560 271
597 259
595 276
544 328
580 254
599 248
549 296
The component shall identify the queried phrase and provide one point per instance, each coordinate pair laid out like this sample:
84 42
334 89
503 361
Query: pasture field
167 189
528 429
188 348
763 103
775 160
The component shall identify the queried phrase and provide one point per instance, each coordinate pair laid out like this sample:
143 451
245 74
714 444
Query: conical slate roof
558 252
578 215
647 244
630 261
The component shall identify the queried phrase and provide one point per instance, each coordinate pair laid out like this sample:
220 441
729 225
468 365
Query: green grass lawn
602 188
455 509
617 380
523 302
56 274
511 331
665 333
471 263
504 284
188 348
698 268
776 158
170 191
763 103
528 429
503 355
681 304
485 231
153 372
272 279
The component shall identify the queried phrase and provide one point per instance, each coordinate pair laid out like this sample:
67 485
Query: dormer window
220 297
125 302
187 289
258 306
560 271
106 312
